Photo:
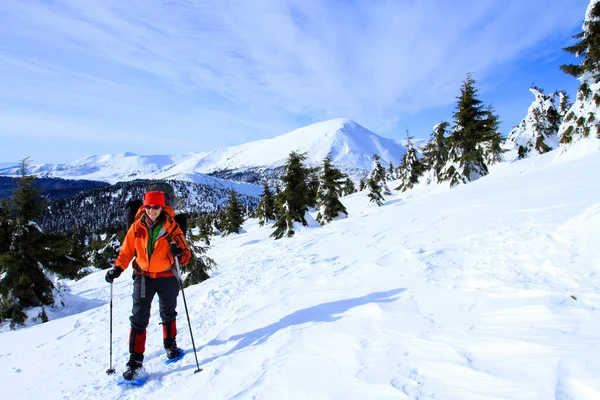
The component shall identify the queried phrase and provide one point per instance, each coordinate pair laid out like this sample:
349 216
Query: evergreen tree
378 172
435 152
581 120
563 104
391 173
543 130
375 190
265 211
313 187
473 138
587 48
362 185
205 227
32 255
332 180
103 249
293 202
66 254
349 187
410 168
6 226
219 222
278 201
378 175
491 140
233 215
538 130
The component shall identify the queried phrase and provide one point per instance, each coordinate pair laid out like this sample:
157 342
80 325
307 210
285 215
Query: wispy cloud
246 69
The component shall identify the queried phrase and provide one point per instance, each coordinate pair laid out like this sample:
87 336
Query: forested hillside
101 209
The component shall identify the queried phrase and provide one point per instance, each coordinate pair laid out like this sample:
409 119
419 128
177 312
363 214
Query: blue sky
81 78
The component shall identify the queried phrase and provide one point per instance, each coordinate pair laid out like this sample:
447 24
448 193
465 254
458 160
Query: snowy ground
486 291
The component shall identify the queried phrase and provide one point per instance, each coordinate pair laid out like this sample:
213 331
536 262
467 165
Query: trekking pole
187 314
110 369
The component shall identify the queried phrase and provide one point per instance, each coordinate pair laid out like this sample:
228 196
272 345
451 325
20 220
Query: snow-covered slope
351 145
490 290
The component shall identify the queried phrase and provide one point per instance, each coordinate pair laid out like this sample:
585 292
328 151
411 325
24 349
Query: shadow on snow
326 312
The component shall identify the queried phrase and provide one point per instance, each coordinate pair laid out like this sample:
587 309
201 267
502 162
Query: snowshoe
135 370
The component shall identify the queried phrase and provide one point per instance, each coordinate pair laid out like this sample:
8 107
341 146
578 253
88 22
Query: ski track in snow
460 294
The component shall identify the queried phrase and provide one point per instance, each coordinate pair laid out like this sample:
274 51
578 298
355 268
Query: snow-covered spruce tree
293 202
330 187
391 172
472 139
538 130
26 267
564 103
378 175
375 189
410 168
435 152
583 118
378 172
265 211
233 215
103 249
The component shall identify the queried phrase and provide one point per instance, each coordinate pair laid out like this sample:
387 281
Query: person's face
153 212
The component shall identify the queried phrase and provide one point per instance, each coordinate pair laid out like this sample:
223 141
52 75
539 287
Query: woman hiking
152 242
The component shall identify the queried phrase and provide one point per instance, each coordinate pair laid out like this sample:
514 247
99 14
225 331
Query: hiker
153 241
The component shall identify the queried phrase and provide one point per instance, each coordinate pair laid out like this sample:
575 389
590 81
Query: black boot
135 367
172 349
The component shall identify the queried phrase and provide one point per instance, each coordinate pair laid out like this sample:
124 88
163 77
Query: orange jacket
135 245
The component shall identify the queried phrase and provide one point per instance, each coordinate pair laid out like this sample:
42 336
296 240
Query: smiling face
153 212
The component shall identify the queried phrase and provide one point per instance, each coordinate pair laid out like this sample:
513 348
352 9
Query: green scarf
153 233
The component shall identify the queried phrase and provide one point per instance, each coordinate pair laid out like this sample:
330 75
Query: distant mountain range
351 146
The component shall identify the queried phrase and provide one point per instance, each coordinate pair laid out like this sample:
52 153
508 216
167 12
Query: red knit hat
154 199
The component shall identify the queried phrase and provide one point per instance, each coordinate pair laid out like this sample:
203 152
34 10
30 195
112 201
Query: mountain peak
351 145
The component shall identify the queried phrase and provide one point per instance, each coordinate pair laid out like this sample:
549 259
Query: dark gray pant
167 290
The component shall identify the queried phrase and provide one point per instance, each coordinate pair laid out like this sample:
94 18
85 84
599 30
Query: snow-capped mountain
351 145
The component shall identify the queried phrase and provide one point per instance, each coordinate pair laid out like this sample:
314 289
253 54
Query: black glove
176 251
113 273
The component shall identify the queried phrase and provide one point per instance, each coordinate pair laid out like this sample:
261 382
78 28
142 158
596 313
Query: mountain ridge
351 145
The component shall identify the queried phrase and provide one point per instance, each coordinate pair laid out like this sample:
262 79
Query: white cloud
262 61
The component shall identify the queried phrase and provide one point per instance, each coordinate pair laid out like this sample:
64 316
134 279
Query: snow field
485 291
